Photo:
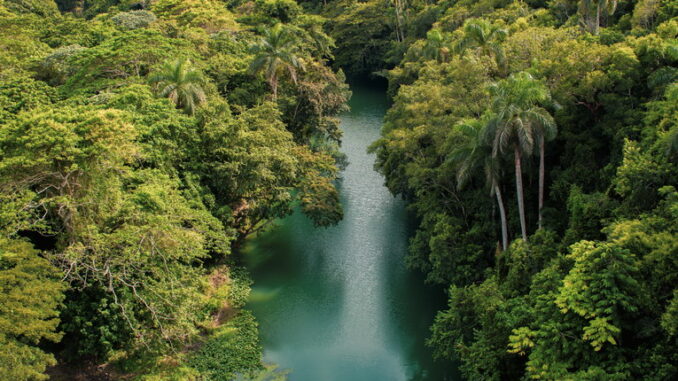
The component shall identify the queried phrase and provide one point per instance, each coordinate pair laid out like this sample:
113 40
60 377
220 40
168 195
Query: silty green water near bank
338 303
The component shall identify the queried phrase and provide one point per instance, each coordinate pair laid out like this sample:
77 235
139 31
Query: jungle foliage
142 141
140 144
536 142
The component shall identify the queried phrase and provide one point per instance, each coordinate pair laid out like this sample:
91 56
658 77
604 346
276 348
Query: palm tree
591 12
436 46
546 131
517 120
275 54
483 35
474 152
181 83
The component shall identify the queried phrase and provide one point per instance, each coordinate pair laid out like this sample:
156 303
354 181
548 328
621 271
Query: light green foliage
30 294
58 66
44 8
249 174
521 340
133 19
137 197
19 44
229 70
70 30
234 349
589 295
116 220
599 287
139 174
199 18
21 93
122 59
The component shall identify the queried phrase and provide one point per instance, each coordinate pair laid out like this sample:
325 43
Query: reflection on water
337 303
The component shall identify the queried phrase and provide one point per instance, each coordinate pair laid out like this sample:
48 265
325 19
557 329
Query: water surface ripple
338 303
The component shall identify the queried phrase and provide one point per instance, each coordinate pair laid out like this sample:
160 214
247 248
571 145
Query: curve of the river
338 303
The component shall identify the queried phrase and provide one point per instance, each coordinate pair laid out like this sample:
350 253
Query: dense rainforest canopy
537 143
142 141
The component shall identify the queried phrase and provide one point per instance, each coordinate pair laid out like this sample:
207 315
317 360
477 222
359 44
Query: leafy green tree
363 34
601 284
30 295
517 120
282 10
122 59
44 8
181 83
57 67
129 232
256 182
134 19
276 53
22 93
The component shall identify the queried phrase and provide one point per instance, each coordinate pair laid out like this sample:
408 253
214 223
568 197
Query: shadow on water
338 303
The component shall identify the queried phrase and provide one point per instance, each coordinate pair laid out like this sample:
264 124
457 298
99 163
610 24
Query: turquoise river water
338 303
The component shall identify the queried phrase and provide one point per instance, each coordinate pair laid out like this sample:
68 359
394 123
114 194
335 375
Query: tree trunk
274 87
79 8
519 190
502 216
400 33
541 177
596 27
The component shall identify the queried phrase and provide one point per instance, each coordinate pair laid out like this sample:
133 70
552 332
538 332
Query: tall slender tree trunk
502 216
274 87
541 177
399 8
79 7
519 190
596 27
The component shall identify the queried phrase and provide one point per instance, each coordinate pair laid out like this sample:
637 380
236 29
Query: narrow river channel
338 303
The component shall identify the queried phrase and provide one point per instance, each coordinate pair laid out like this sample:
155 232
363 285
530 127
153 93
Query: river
338 303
